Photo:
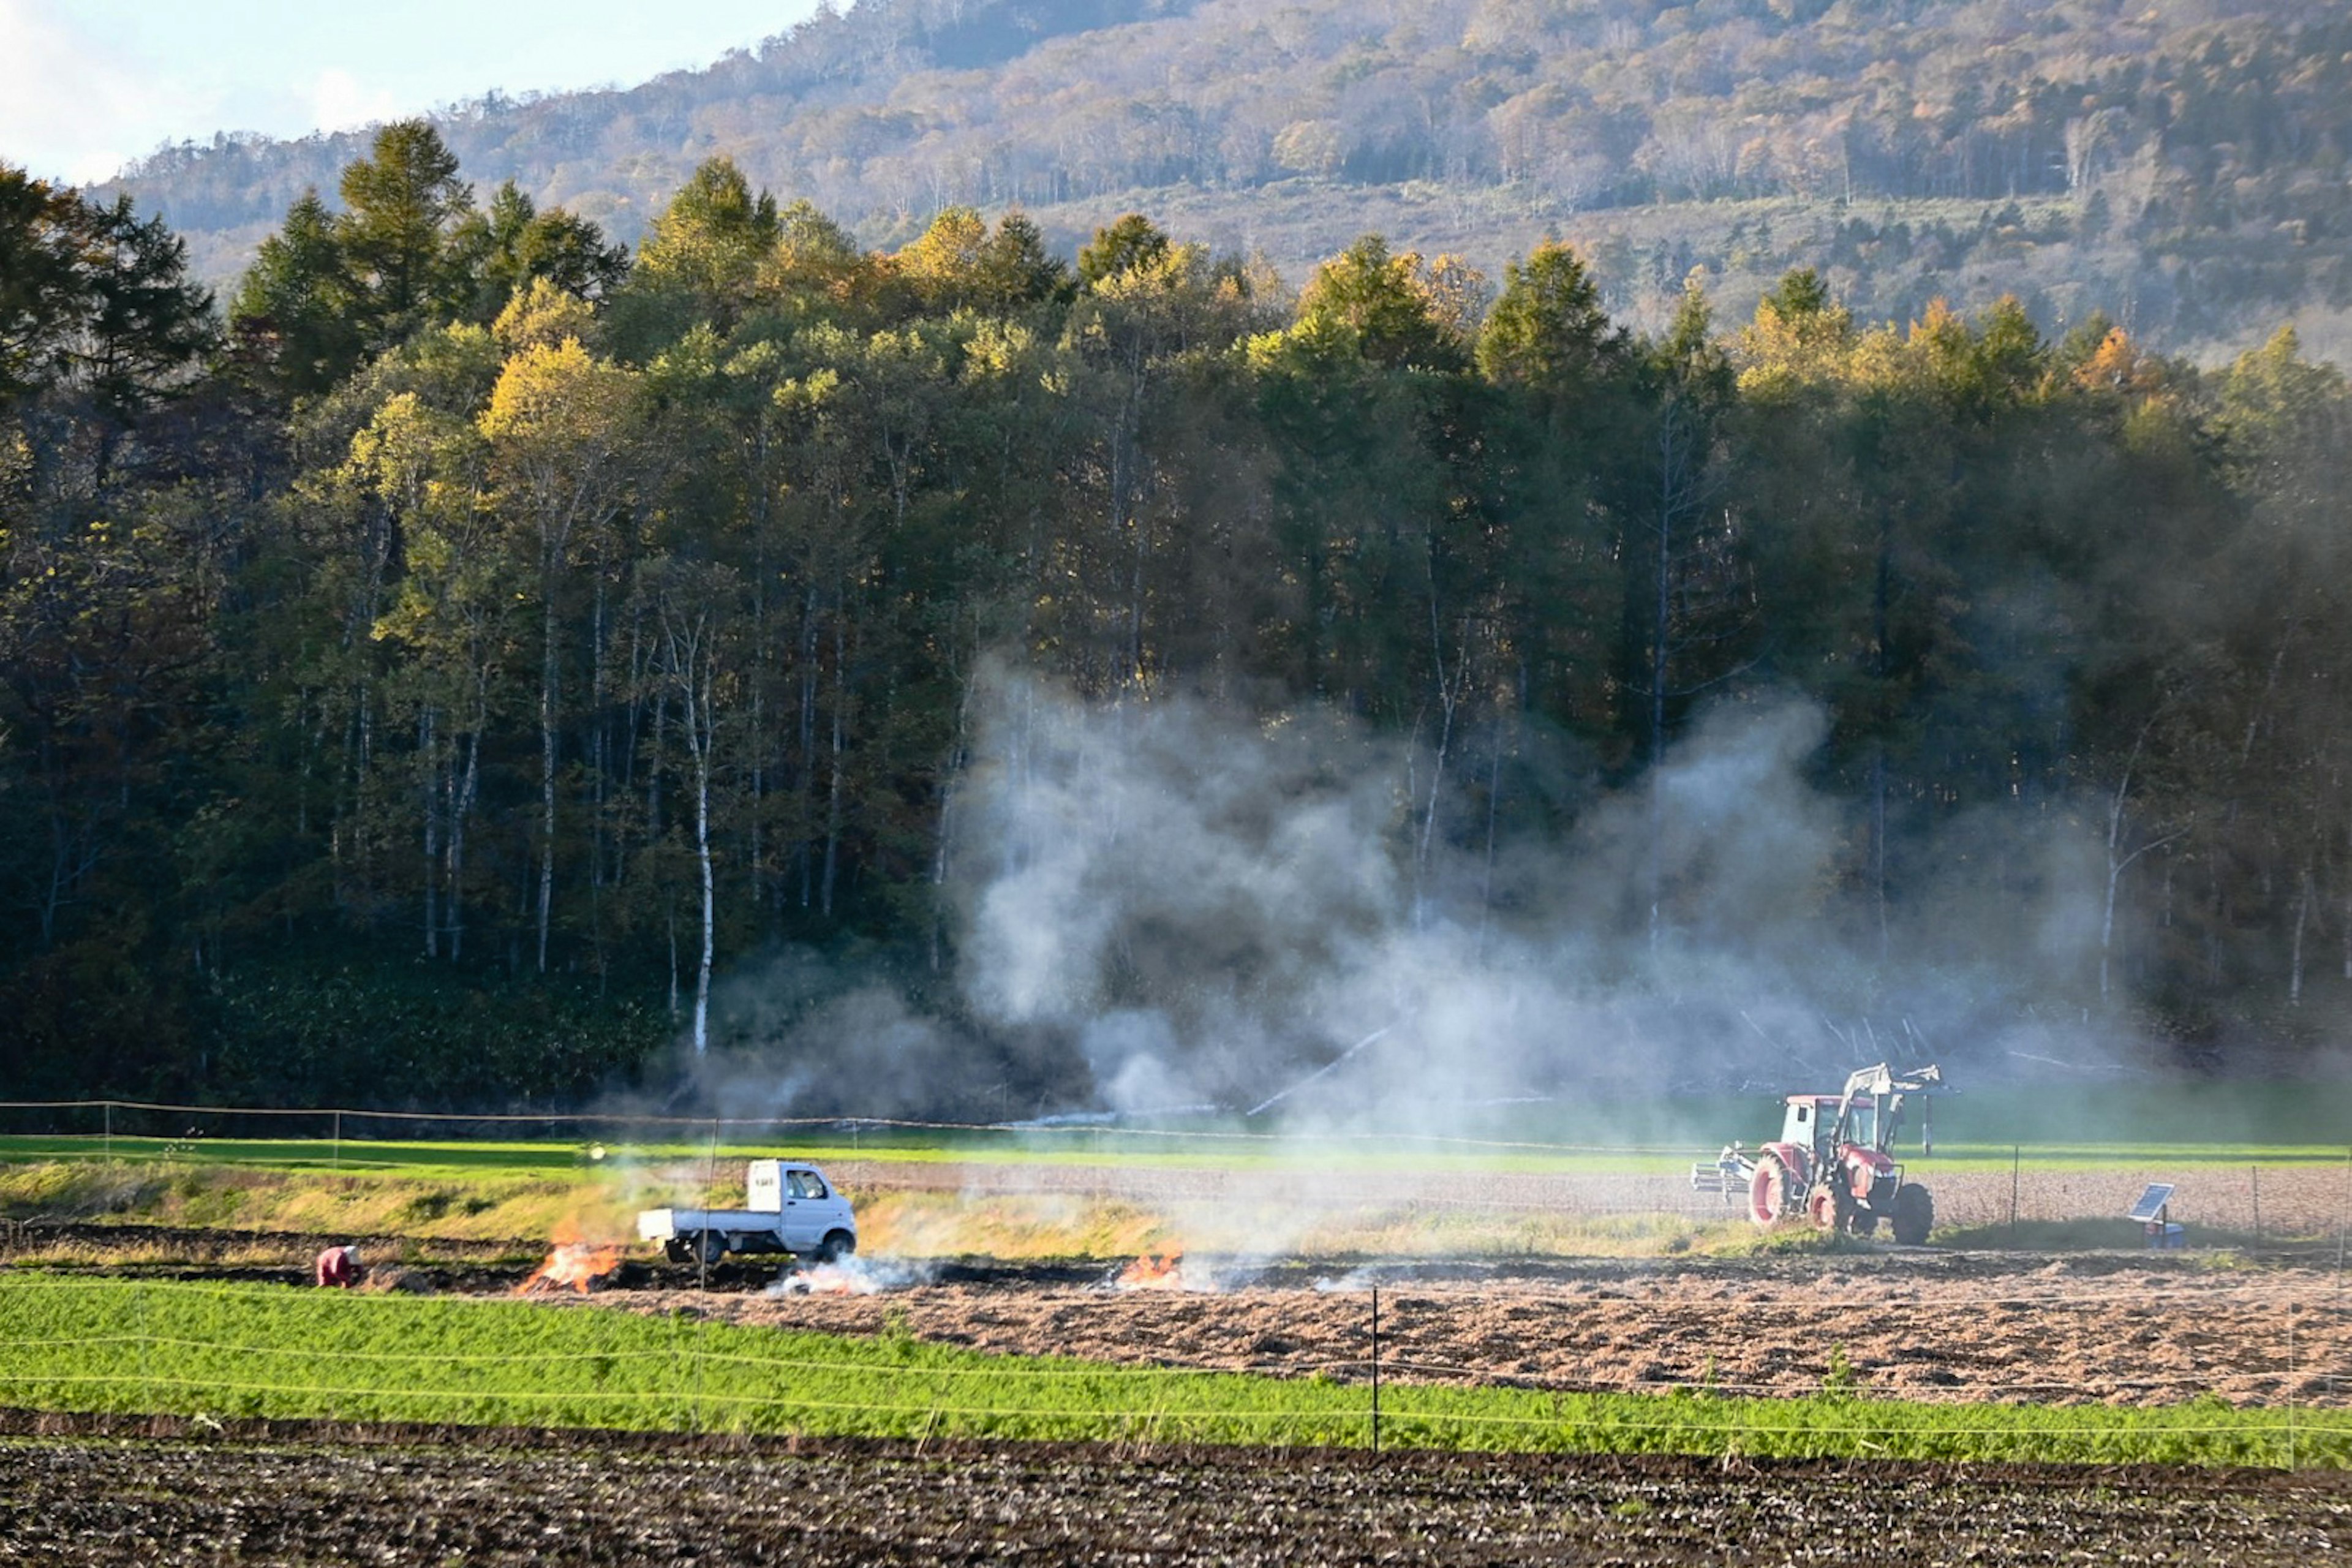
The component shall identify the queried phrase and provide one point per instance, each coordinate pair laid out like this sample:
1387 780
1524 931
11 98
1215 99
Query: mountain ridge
2187 166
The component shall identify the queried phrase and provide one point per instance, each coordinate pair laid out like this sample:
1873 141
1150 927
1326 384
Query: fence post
2255 1174
2343 1217
2016 1155
110 1132
2291 1433
1376 1369
339 1140
702 1237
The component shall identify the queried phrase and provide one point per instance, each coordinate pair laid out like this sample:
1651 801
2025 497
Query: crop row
223 1351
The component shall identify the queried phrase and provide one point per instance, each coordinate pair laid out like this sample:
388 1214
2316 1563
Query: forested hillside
2182 166
440 671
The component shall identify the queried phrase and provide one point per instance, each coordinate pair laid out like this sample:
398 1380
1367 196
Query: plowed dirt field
319 1498
2051 1332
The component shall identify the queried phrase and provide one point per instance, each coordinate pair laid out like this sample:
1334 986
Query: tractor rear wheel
1768 1192
1915 1215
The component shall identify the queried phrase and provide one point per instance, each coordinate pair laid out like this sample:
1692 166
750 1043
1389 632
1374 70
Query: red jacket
336 1267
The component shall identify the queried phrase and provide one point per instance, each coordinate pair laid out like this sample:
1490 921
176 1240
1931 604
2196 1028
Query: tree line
425 673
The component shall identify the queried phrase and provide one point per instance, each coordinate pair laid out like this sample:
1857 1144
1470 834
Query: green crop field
219 1351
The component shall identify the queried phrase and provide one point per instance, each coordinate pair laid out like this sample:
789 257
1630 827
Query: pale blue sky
87 85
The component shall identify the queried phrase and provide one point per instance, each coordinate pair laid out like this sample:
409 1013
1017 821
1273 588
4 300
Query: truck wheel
837 1245
1915 1215
711 1246
1767 1194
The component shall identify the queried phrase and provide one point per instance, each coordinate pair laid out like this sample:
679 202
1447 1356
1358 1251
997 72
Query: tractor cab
1811 1121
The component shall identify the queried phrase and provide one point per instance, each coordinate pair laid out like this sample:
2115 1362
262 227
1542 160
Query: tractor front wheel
1823 1208
1768 1193
1915 1215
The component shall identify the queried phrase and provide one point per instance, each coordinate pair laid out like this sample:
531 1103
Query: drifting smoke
1352 1281
1218 909
1172 906
796 1038
851 1277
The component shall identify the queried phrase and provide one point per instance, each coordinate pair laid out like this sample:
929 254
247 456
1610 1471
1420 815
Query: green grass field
222 1352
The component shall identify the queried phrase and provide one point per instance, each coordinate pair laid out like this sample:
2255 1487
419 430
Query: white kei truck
789 1206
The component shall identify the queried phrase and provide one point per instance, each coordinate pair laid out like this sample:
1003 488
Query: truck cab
810 1206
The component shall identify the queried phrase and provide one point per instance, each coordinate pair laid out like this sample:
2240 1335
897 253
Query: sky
86 85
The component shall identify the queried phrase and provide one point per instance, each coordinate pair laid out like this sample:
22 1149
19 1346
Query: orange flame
574 1262
1153 1271
828 1280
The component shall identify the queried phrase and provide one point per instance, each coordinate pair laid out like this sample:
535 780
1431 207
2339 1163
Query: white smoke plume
1216 908
1171 906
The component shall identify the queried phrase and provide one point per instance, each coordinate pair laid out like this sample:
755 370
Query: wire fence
109 1118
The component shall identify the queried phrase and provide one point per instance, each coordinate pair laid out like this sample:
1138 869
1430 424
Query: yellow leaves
558 397
534 389
560 425
1882 360
997 350
808 394
1312 147
1797 338
1940 333
1457 293
2117 366
413 455
1265 352
542 316
940 265
1799 343
1398 308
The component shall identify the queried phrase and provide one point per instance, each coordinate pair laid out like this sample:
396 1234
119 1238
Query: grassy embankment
229 1352
484 1215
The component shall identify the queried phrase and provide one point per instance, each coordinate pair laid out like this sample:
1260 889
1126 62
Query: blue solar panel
2151 1201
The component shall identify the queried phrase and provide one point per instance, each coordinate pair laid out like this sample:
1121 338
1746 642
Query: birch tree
692 607
562 426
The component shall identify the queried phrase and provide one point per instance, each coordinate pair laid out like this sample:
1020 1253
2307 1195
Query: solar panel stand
2153 1211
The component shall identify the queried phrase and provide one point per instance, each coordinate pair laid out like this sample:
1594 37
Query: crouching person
339 1267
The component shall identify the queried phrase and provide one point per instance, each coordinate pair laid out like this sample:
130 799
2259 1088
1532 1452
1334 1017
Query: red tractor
1832 1161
